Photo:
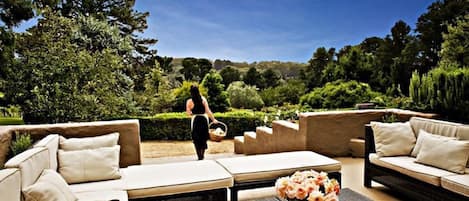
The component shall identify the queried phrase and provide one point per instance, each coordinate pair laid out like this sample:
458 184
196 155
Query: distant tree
229 75
165 63
217 96
270 78
371 45
433 24
244 96
312 75
220 64
189 68
354 65
252 77
182 94
204 66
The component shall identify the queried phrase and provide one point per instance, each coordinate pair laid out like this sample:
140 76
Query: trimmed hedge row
11 121
176 126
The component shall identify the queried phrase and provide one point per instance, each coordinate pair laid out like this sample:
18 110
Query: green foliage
338 94
11 121
21 143
176 126
217 96
182 94
252 77
271 78
67 82
289 92
244 96
312 74
195 69
229 75
13 12
456 42
444 90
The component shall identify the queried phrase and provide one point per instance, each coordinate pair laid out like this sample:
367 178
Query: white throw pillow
49 187
89 164
393 139
71 144
448 154
421 137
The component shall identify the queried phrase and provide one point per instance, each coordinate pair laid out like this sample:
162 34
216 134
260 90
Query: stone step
250 143
265 141
286 136
239 144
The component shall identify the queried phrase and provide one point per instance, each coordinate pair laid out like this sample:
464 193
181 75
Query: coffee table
346 194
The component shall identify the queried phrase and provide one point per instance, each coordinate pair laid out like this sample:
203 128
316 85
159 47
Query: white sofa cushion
444 128
272 166
451 155
393 139
107 185
175 178
71 144
49 187
406 165
31 164
422 136
89 164
106 195
457 183
10 184
51 142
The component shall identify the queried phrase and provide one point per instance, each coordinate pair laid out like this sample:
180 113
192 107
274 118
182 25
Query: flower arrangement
308 186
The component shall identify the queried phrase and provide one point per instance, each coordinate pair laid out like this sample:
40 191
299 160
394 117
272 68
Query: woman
197 107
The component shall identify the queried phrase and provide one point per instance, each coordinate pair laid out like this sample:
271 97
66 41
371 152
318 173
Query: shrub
290 92
444 91
244 96
339 94
183 93
217 96
176 126
21 143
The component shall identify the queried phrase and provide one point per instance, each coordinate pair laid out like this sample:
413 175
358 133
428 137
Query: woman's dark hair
195 94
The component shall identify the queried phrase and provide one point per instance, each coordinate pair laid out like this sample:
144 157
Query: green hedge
11 121
176 126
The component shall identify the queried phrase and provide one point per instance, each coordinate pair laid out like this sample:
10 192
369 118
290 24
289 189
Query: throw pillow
393 139
447 154
89 164
71 144
49 187
421 137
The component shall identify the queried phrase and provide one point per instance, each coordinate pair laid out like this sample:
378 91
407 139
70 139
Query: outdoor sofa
80 160
434 168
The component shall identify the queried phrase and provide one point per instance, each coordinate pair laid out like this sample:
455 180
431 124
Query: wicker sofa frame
409 187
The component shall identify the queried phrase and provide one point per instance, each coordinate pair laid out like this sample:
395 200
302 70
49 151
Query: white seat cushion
457 183
175 178
102 196
272 166
113 185
407 165
10 184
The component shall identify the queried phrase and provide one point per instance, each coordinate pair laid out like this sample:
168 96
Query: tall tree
312 75
229 75
204 66
455 46
217 96
252 77
433 24
271 78
12 12
189 67
165 63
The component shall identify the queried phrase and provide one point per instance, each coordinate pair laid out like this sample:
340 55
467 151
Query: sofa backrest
463 132
51 142
31 163
129 135
433 126
10 184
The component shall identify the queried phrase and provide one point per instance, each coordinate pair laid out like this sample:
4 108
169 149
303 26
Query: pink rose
301 192
316 196
331 197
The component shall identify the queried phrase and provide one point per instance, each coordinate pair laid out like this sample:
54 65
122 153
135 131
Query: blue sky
260 30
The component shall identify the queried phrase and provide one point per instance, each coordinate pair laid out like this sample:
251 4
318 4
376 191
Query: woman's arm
189 106
208 111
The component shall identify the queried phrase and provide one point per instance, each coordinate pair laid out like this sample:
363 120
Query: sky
265 30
